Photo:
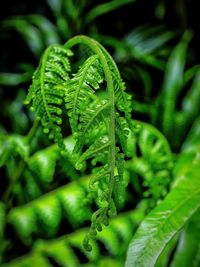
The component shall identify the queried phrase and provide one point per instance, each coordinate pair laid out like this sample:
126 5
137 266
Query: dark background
178 15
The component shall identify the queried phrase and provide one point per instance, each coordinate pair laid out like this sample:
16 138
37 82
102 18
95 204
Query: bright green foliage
169 217
188 250
66 203
48 211
88 113
153 162
12 146
42 165
110 163
173 82
62 250
164 258
192 141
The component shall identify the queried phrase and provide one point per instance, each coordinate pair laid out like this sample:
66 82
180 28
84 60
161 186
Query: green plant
101 160
89 115
169 217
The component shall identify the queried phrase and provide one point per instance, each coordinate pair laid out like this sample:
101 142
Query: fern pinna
99 120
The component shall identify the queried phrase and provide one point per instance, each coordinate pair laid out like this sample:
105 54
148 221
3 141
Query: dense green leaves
65 250
48 210
173 83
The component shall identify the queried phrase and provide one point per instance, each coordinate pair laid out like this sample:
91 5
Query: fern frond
67 249
24 221
123 100
154 162
95 115
45 97
47 211
12 146
42 164
89 114
93 118
92 115
99 147
81 88
75 209
99 175
30 185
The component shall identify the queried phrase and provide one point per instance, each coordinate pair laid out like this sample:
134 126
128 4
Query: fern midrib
117 73
79 87
97 150
93 118
111 95
42 81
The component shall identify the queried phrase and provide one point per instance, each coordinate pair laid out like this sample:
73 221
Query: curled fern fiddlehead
99 124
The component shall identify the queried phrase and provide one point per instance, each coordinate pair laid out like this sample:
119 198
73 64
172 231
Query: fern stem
95 115
94 46
78 91
32 131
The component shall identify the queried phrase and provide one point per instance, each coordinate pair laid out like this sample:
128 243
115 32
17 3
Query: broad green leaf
14 79
146 40
173 82
190 105
55 6
37 31
192 141
106 8
48 29
145 44
190 110
162 223
188 251
164 258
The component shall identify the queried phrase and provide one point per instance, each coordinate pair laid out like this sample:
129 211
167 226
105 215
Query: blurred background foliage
155 45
